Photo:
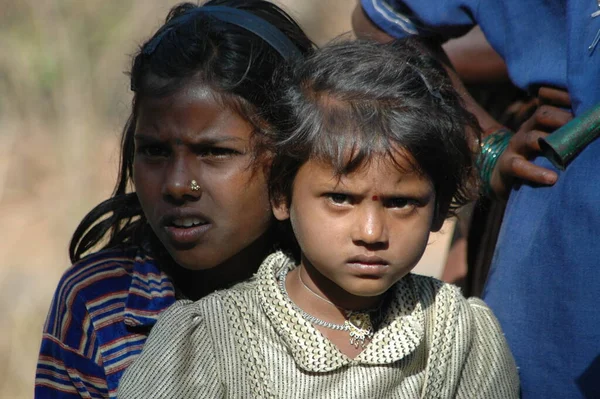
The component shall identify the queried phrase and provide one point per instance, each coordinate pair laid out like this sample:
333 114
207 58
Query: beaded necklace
357 324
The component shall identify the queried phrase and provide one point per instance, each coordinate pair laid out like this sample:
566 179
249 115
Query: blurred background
64 97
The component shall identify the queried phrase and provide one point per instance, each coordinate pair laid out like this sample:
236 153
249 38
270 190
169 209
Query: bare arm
474 59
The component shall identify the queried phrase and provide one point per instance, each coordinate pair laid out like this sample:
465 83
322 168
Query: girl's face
189 136
362 233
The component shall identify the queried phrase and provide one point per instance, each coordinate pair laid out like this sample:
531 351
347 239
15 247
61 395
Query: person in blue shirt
544 276
190 212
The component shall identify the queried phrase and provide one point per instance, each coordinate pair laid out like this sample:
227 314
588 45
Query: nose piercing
194 185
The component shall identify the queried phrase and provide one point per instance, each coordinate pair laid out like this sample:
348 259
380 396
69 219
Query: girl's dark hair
236 64
355 99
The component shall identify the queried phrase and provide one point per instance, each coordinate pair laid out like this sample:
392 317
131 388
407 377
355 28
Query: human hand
515 161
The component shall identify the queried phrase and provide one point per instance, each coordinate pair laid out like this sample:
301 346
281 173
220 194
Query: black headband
244 19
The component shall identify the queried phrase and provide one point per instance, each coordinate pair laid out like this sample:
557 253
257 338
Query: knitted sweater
249 341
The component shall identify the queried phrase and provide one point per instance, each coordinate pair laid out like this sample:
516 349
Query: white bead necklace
357 324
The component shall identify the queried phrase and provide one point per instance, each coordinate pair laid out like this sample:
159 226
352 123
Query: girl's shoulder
249 295
95 301
213 305
463 334
212 317
441 300
230 308
428 290
118 258
99 278
98 272
446 312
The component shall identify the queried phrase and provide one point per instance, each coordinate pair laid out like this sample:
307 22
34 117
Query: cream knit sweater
250 342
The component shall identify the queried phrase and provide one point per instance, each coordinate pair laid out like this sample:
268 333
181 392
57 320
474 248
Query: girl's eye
400 203
152 151
339 199
216 152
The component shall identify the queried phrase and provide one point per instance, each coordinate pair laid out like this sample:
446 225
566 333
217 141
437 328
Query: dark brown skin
515 161
191 136
474 59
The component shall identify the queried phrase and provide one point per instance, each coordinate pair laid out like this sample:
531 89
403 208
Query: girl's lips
368 265
371 269
186 235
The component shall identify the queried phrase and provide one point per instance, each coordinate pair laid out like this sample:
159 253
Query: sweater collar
399 334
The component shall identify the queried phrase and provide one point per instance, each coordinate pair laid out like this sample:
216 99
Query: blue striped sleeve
98 322
70 362
65 370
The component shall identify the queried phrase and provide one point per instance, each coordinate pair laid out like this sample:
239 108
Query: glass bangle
492 147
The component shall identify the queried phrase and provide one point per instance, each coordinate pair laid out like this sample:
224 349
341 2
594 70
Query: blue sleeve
69 365
63 372
401 18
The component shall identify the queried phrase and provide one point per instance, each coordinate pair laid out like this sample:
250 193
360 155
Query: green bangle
492 147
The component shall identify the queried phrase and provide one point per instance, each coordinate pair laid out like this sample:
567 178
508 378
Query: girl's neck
316 285
327 305
195 284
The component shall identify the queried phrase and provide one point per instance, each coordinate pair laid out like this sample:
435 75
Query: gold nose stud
194 185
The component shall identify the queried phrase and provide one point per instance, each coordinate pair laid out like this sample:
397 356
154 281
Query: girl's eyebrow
207 139
144 137
201 140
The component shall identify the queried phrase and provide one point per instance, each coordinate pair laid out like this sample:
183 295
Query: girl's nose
371 227
180 183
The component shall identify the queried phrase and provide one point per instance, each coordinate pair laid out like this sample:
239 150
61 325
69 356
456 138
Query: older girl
195 151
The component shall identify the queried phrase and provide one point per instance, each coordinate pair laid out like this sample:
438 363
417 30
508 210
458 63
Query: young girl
196 148
373 155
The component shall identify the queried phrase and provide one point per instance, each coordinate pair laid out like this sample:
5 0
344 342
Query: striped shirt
100 316
251 342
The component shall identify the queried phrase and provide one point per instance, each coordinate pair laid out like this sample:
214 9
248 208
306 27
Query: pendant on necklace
360 328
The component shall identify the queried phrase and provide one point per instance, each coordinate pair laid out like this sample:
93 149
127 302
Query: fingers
526 144
550 118
514 164
556 97
523 169
546 118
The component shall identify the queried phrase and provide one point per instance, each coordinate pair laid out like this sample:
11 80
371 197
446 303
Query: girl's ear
280 208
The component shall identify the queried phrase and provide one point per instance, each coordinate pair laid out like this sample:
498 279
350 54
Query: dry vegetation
64 99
